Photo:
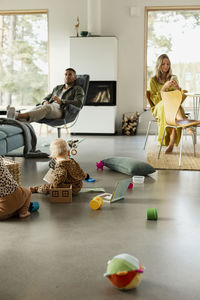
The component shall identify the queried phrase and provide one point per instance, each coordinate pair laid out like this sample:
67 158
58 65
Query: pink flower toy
130 186
100 165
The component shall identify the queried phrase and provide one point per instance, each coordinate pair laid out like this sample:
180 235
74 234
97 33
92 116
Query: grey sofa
11 138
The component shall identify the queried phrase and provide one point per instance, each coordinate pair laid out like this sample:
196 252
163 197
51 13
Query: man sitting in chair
53 105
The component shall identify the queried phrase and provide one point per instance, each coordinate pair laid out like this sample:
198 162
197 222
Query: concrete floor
61 252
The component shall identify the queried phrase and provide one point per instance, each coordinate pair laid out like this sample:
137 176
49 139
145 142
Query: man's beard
69 83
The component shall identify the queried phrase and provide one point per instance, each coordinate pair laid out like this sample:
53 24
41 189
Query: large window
176 32
23 57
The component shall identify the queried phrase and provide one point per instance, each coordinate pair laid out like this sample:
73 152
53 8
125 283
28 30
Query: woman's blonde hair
158 75
59 147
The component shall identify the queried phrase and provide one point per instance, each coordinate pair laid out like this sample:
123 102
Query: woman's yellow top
155 88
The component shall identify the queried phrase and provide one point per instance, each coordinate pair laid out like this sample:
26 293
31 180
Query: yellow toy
96 203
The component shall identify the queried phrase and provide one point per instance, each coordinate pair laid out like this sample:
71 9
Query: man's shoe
11 112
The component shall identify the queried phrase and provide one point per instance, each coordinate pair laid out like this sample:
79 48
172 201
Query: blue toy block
34 206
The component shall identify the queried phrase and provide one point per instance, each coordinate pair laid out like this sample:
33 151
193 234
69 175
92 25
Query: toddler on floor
14 199
66 171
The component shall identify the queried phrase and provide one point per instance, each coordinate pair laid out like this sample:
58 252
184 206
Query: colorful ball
124 271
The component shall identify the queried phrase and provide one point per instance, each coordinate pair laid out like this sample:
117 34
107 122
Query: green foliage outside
23 59
159 42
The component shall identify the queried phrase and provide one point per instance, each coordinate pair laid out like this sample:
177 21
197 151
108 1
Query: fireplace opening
101 93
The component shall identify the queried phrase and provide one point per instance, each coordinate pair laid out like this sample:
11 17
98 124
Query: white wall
115 20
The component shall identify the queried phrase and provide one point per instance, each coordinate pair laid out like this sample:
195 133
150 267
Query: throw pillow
128 165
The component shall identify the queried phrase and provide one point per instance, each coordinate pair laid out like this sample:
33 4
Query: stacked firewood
129 123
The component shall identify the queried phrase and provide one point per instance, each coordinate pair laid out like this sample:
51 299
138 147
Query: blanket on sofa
30 138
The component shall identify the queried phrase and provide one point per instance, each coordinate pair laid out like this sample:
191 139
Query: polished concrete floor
61 252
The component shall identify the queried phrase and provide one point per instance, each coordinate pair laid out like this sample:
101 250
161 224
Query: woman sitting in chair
164 81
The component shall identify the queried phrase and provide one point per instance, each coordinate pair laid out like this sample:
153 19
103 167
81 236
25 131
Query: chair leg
194 142
40 130
162 142
157 129
67 130
47 129
59 132
181 146
147 134
195 135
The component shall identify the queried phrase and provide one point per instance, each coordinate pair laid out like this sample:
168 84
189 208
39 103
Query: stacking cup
96 203
152 214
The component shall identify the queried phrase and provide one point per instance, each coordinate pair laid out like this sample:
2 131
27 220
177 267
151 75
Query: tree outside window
23 59
176 32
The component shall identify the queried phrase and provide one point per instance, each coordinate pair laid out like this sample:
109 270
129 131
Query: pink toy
130 186
100 165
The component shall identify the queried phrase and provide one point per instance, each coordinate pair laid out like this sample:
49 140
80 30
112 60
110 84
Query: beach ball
124 271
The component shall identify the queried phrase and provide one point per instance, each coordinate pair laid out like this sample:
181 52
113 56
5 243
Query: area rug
170 161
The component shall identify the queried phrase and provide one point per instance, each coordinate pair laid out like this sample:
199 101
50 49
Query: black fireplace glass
101 93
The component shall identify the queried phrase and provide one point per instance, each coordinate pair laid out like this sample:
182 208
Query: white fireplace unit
96 56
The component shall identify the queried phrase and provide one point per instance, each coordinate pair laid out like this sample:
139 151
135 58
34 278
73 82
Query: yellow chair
172 101
155 120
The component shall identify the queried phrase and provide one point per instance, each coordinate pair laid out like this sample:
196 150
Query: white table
196 103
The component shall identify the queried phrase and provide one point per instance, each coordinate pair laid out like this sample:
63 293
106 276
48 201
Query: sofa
11 138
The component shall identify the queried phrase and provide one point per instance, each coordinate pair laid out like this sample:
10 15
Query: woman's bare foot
169 149
21 216
32 189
